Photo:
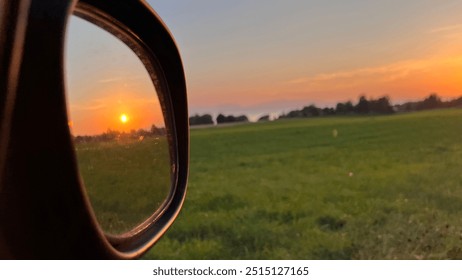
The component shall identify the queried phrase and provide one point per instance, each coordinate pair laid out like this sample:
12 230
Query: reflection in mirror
117 124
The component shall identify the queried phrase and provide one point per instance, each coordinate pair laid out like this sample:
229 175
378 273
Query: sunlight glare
123 118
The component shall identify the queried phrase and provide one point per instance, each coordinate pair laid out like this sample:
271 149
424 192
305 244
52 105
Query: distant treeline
431 102
364 106
208 120
111 135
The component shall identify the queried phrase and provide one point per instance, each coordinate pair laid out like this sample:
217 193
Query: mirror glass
118 128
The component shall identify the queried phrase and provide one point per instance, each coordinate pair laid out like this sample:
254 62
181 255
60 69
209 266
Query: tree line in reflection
114 135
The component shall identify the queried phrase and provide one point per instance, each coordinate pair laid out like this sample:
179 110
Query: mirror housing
44 211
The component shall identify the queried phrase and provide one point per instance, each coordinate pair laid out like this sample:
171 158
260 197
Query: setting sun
123 118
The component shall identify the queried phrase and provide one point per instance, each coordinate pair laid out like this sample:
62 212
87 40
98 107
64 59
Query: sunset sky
269 56
108 86
261 56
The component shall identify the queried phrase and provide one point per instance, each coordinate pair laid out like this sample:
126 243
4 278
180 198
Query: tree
455 103
363 105
201 120
225 119
431 102
344 108
242 118
380 106
155 130
229 119
294 114
328 111
311 111
264 118
221 119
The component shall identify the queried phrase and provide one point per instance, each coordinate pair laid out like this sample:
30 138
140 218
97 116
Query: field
379 187
376 187
126 180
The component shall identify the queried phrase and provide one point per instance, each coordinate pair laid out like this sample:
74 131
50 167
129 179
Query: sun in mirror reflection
117 124
123 118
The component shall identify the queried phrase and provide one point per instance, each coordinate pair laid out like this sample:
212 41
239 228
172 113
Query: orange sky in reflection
98 115
106 79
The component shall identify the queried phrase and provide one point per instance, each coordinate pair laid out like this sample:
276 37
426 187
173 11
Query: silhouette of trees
306 112
114 135
455 103
373 106
242 118
264 118
201 120
154 131
311 111
379 106
328 111
431 102
344 108
223 119
363 105
230 119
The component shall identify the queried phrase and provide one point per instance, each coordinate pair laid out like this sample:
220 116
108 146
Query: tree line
364 106
380 106
208 120
431 102
111 135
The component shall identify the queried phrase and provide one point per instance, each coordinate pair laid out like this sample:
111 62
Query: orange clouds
401 80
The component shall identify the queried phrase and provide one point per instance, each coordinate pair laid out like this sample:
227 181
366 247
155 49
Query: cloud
89 104
381 74
110 80
407 79
449 28
103 103
389 73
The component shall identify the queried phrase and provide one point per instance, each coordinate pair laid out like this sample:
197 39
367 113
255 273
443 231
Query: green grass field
126 180
377 187
387 187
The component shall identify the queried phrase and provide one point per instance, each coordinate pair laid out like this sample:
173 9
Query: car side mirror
46 209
